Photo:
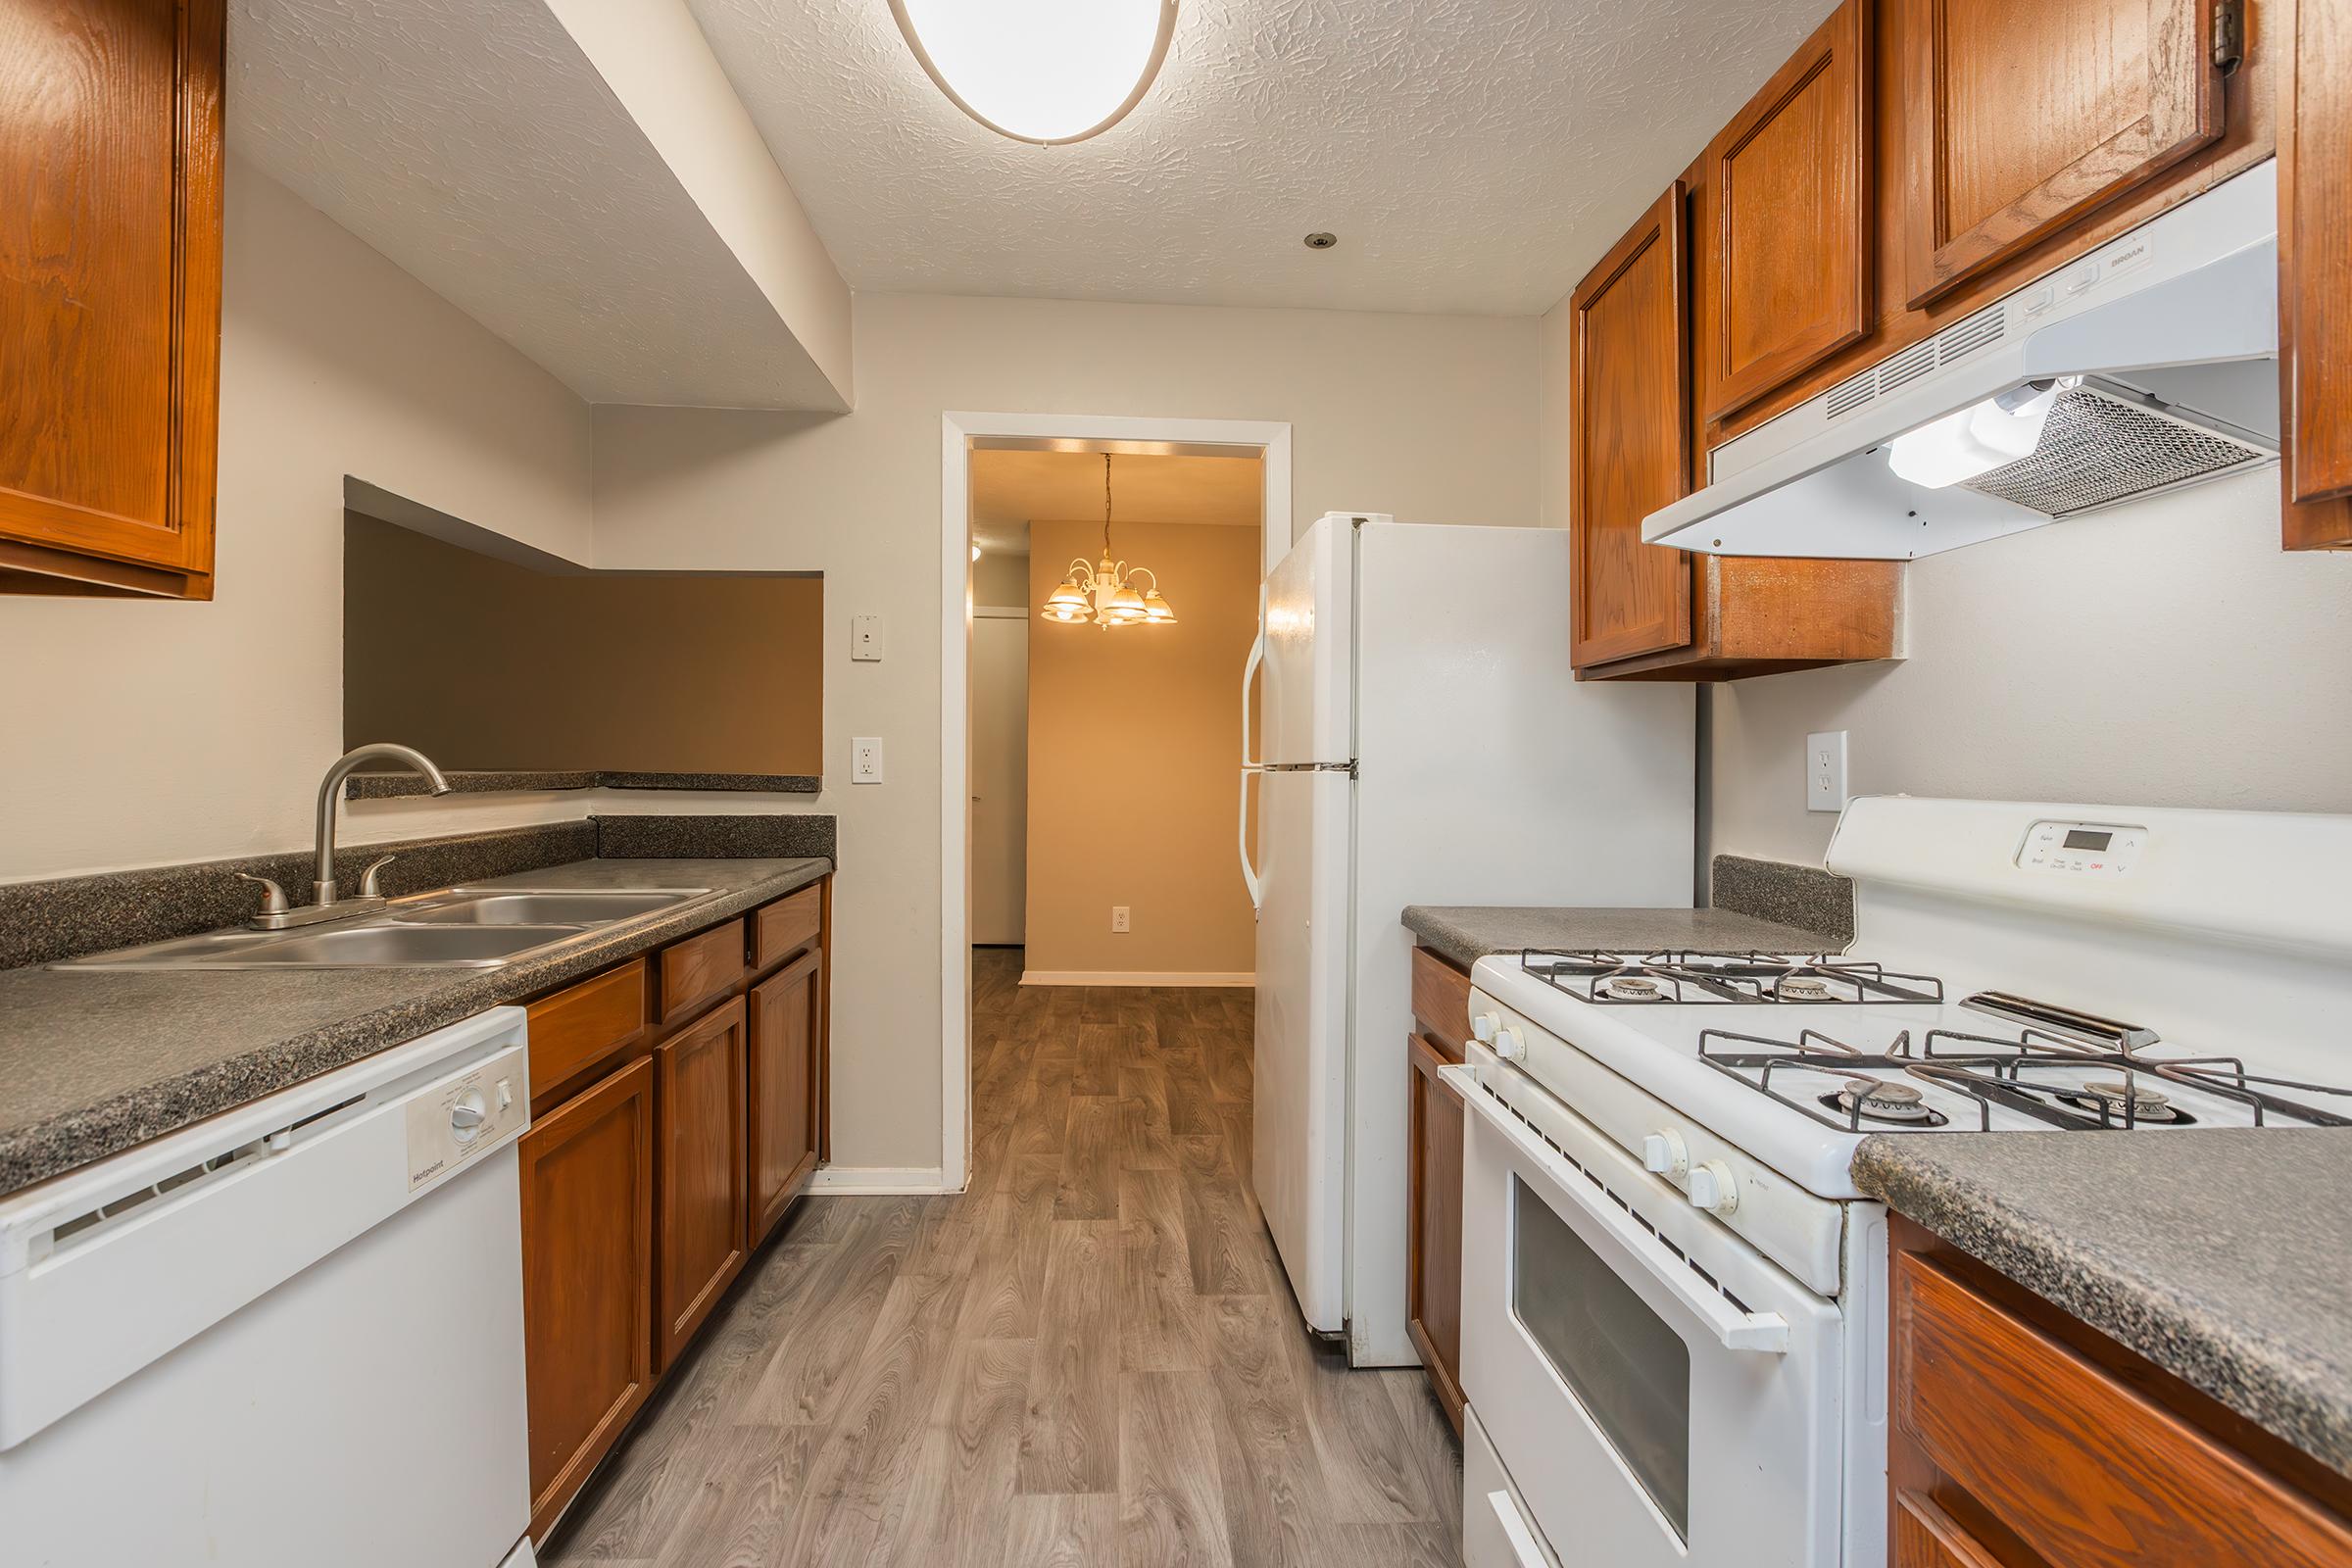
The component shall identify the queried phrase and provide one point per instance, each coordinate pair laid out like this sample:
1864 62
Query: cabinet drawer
1441 1003
583 1023
701 967
784 927
2087 1470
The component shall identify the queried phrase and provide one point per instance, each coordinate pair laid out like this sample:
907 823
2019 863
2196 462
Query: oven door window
1626 1365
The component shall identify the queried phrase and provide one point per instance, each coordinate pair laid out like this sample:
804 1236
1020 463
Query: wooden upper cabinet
110 294
1630 381
2022 116
2315 267
1794 217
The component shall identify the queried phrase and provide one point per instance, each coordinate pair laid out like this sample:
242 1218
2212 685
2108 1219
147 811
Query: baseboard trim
1114 977
843 1181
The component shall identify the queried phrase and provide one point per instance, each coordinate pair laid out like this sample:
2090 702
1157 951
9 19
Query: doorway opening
1089 826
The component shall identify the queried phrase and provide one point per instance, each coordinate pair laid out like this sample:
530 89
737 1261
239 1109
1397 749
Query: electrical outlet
1825 770
865 639
866 760
1118 918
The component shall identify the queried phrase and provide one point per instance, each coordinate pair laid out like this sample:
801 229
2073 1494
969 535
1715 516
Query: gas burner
1630 988
1876 1099
2121 1103
1801 978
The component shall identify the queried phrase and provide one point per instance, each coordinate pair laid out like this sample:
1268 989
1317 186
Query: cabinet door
1926 1536
587 1173
110 291
2315 267
785 1013
1793 229
699 1233
2021 118
1630 380
1434 1250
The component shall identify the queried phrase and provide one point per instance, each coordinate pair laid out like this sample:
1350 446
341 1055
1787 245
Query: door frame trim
961 432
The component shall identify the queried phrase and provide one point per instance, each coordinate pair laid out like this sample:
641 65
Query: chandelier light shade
1046 72
1106 592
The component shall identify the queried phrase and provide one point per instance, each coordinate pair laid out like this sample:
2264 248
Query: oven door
1661 1392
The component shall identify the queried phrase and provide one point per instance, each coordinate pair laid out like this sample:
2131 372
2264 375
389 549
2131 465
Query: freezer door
1299 1153
1309 650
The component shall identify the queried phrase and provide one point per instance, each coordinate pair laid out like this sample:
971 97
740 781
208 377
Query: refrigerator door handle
1257 655
1249 872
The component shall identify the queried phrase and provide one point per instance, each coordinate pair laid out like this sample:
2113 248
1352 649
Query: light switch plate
1825 770
865 639
866 760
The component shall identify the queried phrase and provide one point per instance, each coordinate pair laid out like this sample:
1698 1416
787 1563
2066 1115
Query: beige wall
1002 581
500 666
1131 761
138 733
2166 654
1431 417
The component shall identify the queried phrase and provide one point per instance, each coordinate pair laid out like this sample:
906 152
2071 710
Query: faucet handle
368 887
274 897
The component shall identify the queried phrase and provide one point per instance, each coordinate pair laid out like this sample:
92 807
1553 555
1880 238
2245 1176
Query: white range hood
2148 365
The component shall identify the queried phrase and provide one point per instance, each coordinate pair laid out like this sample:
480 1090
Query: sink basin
525 907
371 946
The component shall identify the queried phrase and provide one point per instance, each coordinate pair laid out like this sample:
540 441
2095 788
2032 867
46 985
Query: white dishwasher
287 1336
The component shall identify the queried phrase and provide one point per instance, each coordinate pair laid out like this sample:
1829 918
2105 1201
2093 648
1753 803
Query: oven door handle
1515 1531
1763 1332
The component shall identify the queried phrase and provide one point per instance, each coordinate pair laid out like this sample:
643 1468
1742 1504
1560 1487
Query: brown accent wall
1133 743
483 665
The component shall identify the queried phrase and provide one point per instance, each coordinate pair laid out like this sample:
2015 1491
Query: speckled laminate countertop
2221 1254
95 1060
1466 934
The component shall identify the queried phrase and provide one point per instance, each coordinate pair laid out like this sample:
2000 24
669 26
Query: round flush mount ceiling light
1046 72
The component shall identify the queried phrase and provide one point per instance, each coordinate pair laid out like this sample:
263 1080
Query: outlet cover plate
1825 770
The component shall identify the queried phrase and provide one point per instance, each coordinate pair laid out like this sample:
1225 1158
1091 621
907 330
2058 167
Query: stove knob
1665 1154
1509 1046
1482 1027
1713 1189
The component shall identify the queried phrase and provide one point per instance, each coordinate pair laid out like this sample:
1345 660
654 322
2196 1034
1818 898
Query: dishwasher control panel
475 1110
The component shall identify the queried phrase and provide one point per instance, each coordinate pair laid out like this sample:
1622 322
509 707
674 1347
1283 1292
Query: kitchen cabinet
1645 612
109 295
786 1028
2019 118
2315 270
587 1175
678 1102
699 1224
2023 1438
1792 211
1433 1205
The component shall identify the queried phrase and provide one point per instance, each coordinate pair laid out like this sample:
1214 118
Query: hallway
1091 1357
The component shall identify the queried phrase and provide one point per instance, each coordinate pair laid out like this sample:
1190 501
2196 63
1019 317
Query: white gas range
1674 1335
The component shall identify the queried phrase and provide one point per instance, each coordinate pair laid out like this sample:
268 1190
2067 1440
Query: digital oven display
2085 839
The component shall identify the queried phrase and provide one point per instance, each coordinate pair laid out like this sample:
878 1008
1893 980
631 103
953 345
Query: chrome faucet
326 904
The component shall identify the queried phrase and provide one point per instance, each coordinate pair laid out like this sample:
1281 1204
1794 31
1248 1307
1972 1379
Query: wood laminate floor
1090 1357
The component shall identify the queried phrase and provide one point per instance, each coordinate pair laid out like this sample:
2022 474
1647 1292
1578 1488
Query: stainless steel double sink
455 928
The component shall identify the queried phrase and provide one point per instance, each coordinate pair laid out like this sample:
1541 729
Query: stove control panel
2082 848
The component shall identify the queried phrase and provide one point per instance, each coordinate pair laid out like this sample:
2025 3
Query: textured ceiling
1012 489
474 144
1472 155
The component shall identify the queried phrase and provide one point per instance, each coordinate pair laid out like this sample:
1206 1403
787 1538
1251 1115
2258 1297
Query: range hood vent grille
1963 337
2098 449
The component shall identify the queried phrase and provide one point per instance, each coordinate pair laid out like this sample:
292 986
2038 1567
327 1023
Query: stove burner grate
1812 979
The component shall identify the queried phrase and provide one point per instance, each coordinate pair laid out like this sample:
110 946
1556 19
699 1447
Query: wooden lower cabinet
2021 1437
700 1185
786 1027
1433 1254
587 1175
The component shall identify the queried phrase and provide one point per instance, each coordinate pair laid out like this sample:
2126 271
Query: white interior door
999 777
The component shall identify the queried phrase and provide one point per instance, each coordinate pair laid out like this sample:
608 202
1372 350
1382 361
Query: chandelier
1106 592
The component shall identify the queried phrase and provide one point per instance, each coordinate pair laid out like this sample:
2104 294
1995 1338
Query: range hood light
1990 435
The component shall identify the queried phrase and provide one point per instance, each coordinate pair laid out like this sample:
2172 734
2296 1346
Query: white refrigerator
1421 740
